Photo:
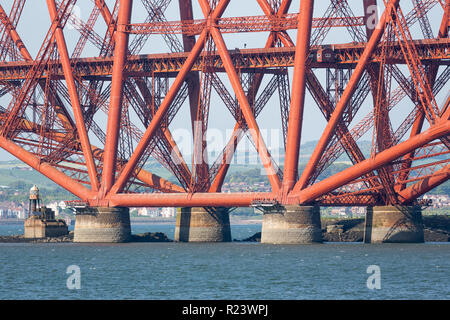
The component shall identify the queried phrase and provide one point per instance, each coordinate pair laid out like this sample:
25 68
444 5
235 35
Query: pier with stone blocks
90 120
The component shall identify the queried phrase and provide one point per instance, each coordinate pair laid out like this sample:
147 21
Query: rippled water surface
223 271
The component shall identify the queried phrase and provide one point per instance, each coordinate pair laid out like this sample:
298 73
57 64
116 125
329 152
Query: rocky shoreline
150 237
21 239
436 229
141 237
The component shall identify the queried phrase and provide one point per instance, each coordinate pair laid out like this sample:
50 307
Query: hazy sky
35 22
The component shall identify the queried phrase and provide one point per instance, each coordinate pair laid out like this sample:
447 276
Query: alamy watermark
223 146
372 13
374 280
74 280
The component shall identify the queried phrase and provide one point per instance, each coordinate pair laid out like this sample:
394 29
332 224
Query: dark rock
347 236
150 237
22 239
344 224
343 230
143 237
435 235
439 223
254 238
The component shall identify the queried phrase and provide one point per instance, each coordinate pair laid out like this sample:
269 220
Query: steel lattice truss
55 98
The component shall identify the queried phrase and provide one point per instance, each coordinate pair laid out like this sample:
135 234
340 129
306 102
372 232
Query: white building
168 212
55 207
21 214
148 212
62 205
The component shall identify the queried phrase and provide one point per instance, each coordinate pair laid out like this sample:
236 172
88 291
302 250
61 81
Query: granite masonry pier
401 224
291 225
200 224
102 224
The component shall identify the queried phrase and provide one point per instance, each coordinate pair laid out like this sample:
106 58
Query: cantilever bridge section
396 59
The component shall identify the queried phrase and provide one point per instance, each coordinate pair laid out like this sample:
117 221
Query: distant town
18 210
16 179
10 210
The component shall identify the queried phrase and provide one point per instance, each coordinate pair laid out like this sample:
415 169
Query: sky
35 23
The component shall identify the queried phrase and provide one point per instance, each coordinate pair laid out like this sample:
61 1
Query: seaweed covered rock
150 237
254 238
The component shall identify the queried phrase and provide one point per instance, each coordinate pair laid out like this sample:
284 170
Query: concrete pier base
203 225
401 224
102 224
35 227
292 225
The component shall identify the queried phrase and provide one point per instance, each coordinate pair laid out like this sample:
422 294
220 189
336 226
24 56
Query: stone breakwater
142 237
21 239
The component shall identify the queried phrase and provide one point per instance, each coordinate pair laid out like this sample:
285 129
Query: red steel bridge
397 63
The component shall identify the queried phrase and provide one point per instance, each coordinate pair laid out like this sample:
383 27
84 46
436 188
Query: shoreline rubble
436 229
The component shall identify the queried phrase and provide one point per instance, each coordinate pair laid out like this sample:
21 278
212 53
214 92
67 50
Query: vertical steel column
151 129
237 87
298 95
246 110
115 104
237 131
74 98
378 87
193 80
180 78
443 30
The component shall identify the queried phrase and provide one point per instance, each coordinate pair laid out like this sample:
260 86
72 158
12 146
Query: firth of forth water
235 270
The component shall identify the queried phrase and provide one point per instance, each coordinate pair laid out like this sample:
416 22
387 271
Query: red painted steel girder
54 99
240 24
431 51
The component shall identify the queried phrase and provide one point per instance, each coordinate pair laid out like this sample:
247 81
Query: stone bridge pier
102 224
198 224
291 224
401 224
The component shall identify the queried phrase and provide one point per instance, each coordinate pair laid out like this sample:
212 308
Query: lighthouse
34 202
41 222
